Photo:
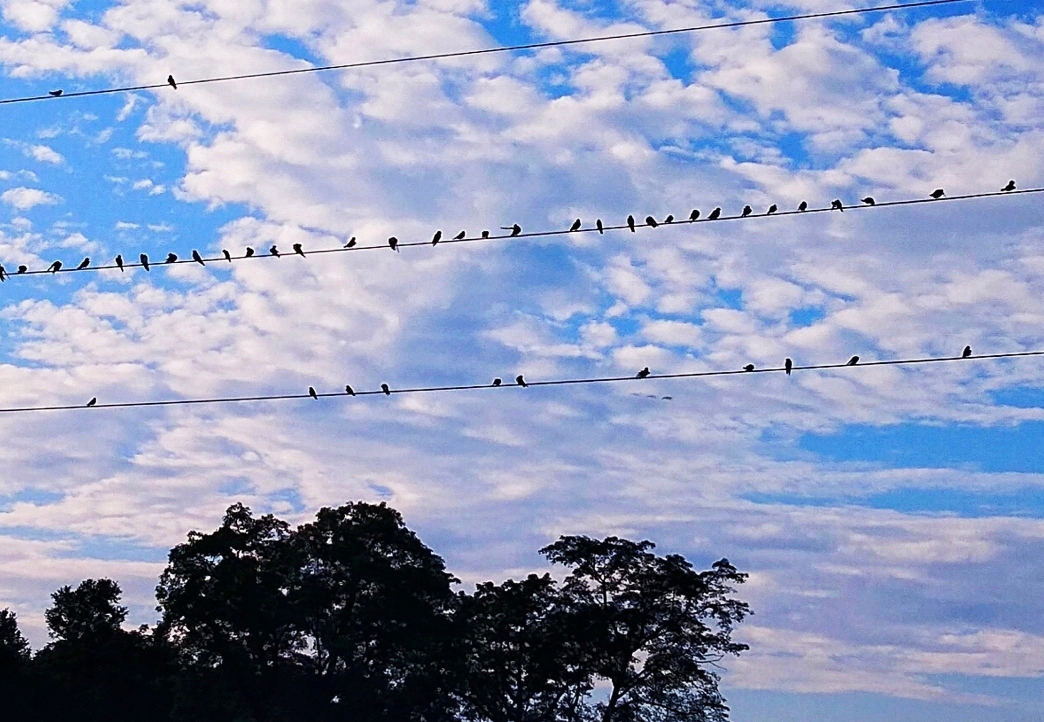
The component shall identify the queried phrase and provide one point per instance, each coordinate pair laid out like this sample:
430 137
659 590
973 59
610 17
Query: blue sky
891 519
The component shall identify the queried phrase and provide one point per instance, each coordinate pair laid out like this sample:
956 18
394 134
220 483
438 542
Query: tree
88 612
14 648
522 663
652 626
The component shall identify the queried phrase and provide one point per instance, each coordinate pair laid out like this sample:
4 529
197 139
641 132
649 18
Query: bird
23 269
666 398
83 264
521 381
938 193
273 251
748 367
55 93
298 250
55 267
643 373
695 214
747 210
350 243
119 262
575 226
651 222
197 258
497 381
311 392
436 238
803 206
789 366
171 82
772 209
714 215
852 361
385 389
393 242
171 258
349 390
3 273
517 229
669 219
249 252
869 200
227 255
837 205
144 261
460 236
92 402
967 352
485 234
630 223
1009 187
599 226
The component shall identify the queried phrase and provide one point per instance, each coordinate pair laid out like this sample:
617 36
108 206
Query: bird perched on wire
119 262
599 226
669 219
644 373
144 261
385 389
852 361
298 250
3 273
83 264
575 227
748 367
803 206
651 222
517 229
485 234
747 210
92 402
520 381
788 365
772 209
967 352
311 392
249 252
393 243
350 243
869 200
23 269
695 214
497 381
714 215
171 82
1009 187
460 236
436 238
273 251
171 258
55 93
197 258
55 267
227 255
630 223
349 390
938 193
837 205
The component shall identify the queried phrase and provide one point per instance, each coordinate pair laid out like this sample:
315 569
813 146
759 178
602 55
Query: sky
891 519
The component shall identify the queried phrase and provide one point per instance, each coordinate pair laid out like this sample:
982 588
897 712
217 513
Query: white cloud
24 198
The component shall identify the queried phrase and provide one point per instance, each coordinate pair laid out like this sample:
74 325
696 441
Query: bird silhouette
938 193
788 365
197 258
385 389
517 229
651 222
669 219
772 209
92 402
55 267
852 361
643 373
349 390
249 252
171 258
171 82
967 352
55 93
803 206
747 210
714 215
599 226
630 223
83 264
485 234
575 226
520 381
460 236
666 398
144 261
23 269
393 242
311 392
3 274
695 214
497 382
227 255
299 250
1009 187
837 205
436 238
273 251
748 367
869 200
119 262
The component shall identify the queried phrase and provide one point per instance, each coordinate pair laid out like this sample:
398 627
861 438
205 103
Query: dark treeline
352 617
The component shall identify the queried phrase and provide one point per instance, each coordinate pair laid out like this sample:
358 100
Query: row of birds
788 367
57 93
515 229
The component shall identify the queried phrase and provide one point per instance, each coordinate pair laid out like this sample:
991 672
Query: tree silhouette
90 611
14 648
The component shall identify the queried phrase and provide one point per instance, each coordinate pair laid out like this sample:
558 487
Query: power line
221 260
487 51
554 382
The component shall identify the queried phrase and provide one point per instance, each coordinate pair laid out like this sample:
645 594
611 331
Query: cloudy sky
892 519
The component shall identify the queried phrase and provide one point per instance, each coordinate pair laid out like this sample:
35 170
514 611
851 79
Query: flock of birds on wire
515 229
788 367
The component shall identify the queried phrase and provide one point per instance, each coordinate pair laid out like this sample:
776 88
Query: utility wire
554 382
221 260
487 51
